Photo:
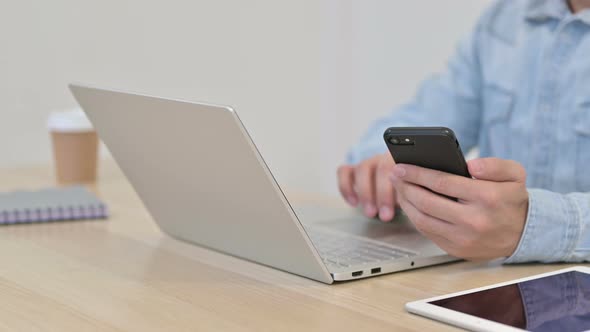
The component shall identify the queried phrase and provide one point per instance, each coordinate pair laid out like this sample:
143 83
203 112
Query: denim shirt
518 87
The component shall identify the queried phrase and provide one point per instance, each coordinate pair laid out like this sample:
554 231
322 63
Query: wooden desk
124 274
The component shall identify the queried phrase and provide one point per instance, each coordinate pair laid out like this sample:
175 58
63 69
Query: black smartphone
430 147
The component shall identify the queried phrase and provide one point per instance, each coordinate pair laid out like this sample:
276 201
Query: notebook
54 204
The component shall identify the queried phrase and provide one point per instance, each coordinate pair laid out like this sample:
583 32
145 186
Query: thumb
496 169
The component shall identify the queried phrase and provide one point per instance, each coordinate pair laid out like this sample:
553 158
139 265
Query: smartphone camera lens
394 140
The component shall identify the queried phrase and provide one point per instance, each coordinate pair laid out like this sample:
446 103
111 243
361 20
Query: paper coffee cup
75 147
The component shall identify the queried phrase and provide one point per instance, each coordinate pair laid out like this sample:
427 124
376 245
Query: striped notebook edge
54 204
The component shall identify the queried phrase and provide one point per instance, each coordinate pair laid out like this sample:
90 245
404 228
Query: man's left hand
488 219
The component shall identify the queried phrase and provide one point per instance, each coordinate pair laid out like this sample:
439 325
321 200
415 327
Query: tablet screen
559 302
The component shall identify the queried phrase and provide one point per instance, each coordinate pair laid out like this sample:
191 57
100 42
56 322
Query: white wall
306 76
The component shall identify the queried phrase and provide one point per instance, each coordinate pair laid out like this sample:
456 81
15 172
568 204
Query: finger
346 184
364 176
443 243
437 181
432 204
426 224
385 193
496 169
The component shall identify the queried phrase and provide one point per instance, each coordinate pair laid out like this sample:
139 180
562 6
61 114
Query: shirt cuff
551 230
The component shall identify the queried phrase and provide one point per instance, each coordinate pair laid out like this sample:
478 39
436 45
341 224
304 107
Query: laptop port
376 270
357 273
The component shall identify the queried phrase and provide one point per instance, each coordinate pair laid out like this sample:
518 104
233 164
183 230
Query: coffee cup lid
73 121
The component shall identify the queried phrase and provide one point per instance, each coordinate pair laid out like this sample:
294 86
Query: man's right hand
369 185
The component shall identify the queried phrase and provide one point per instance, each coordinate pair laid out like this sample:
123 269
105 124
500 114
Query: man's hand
369 184
486 222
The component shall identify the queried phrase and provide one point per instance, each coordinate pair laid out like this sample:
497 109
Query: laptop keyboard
341 250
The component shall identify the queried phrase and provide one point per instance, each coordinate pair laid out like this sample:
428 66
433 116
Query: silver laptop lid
201 177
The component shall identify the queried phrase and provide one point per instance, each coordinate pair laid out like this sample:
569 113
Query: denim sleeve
557 228
450 99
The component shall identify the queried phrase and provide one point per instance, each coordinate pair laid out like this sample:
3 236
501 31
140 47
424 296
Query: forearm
437 104
557 228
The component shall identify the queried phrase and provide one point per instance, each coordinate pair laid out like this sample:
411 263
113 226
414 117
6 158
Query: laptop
201 177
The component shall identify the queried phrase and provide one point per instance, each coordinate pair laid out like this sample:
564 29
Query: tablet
554 301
